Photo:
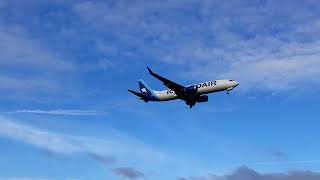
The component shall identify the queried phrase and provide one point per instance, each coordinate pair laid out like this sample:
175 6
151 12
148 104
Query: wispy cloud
12 84
29 66
267 48
287 69
287 162
23 178
18 48
260 49
61 112
116 145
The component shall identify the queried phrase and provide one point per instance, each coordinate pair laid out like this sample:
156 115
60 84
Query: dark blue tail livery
147 91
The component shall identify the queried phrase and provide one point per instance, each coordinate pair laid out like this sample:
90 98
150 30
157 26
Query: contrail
69 112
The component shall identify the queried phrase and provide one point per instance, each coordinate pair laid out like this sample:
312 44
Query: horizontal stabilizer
137 94
140 96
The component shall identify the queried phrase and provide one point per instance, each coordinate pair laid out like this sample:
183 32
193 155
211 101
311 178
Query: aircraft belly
166 97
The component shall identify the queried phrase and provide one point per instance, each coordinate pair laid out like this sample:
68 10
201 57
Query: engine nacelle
203 98
190 89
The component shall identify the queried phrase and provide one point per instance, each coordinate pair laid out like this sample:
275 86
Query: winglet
150 71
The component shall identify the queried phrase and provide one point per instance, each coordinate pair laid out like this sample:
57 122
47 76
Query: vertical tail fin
146 90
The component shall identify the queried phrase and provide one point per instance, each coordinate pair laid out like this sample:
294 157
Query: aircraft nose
236 84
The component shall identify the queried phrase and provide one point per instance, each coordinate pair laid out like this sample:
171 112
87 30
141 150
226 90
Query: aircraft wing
178 89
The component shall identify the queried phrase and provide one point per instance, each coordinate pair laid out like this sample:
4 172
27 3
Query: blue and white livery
190 94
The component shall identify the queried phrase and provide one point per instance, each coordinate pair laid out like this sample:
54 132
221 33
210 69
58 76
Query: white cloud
260 44
116 145
28 66
287 162
19 50
24 84
290 68
23 178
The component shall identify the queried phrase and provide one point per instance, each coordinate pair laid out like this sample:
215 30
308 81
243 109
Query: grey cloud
279 154
245 173
128 172
181 178
102 158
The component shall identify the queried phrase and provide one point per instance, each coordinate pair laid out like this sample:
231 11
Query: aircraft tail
146 91
140 96
136 93
146 94
144 88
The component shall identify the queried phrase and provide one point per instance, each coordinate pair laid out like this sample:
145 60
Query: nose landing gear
229 89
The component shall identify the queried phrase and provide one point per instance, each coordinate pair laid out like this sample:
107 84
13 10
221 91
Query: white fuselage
202 88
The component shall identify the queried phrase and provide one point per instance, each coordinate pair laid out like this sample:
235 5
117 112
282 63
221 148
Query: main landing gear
191 103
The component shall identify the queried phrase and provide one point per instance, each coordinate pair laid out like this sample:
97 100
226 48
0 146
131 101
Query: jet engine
190 90
203 98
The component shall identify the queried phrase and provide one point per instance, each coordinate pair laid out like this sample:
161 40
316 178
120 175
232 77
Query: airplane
191 94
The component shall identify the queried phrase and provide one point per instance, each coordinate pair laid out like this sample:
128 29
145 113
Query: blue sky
65 67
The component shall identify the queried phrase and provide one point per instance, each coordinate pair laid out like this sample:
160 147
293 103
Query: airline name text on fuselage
197 86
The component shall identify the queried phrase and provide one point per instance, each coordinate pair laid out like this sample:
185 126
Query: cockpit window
231 80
